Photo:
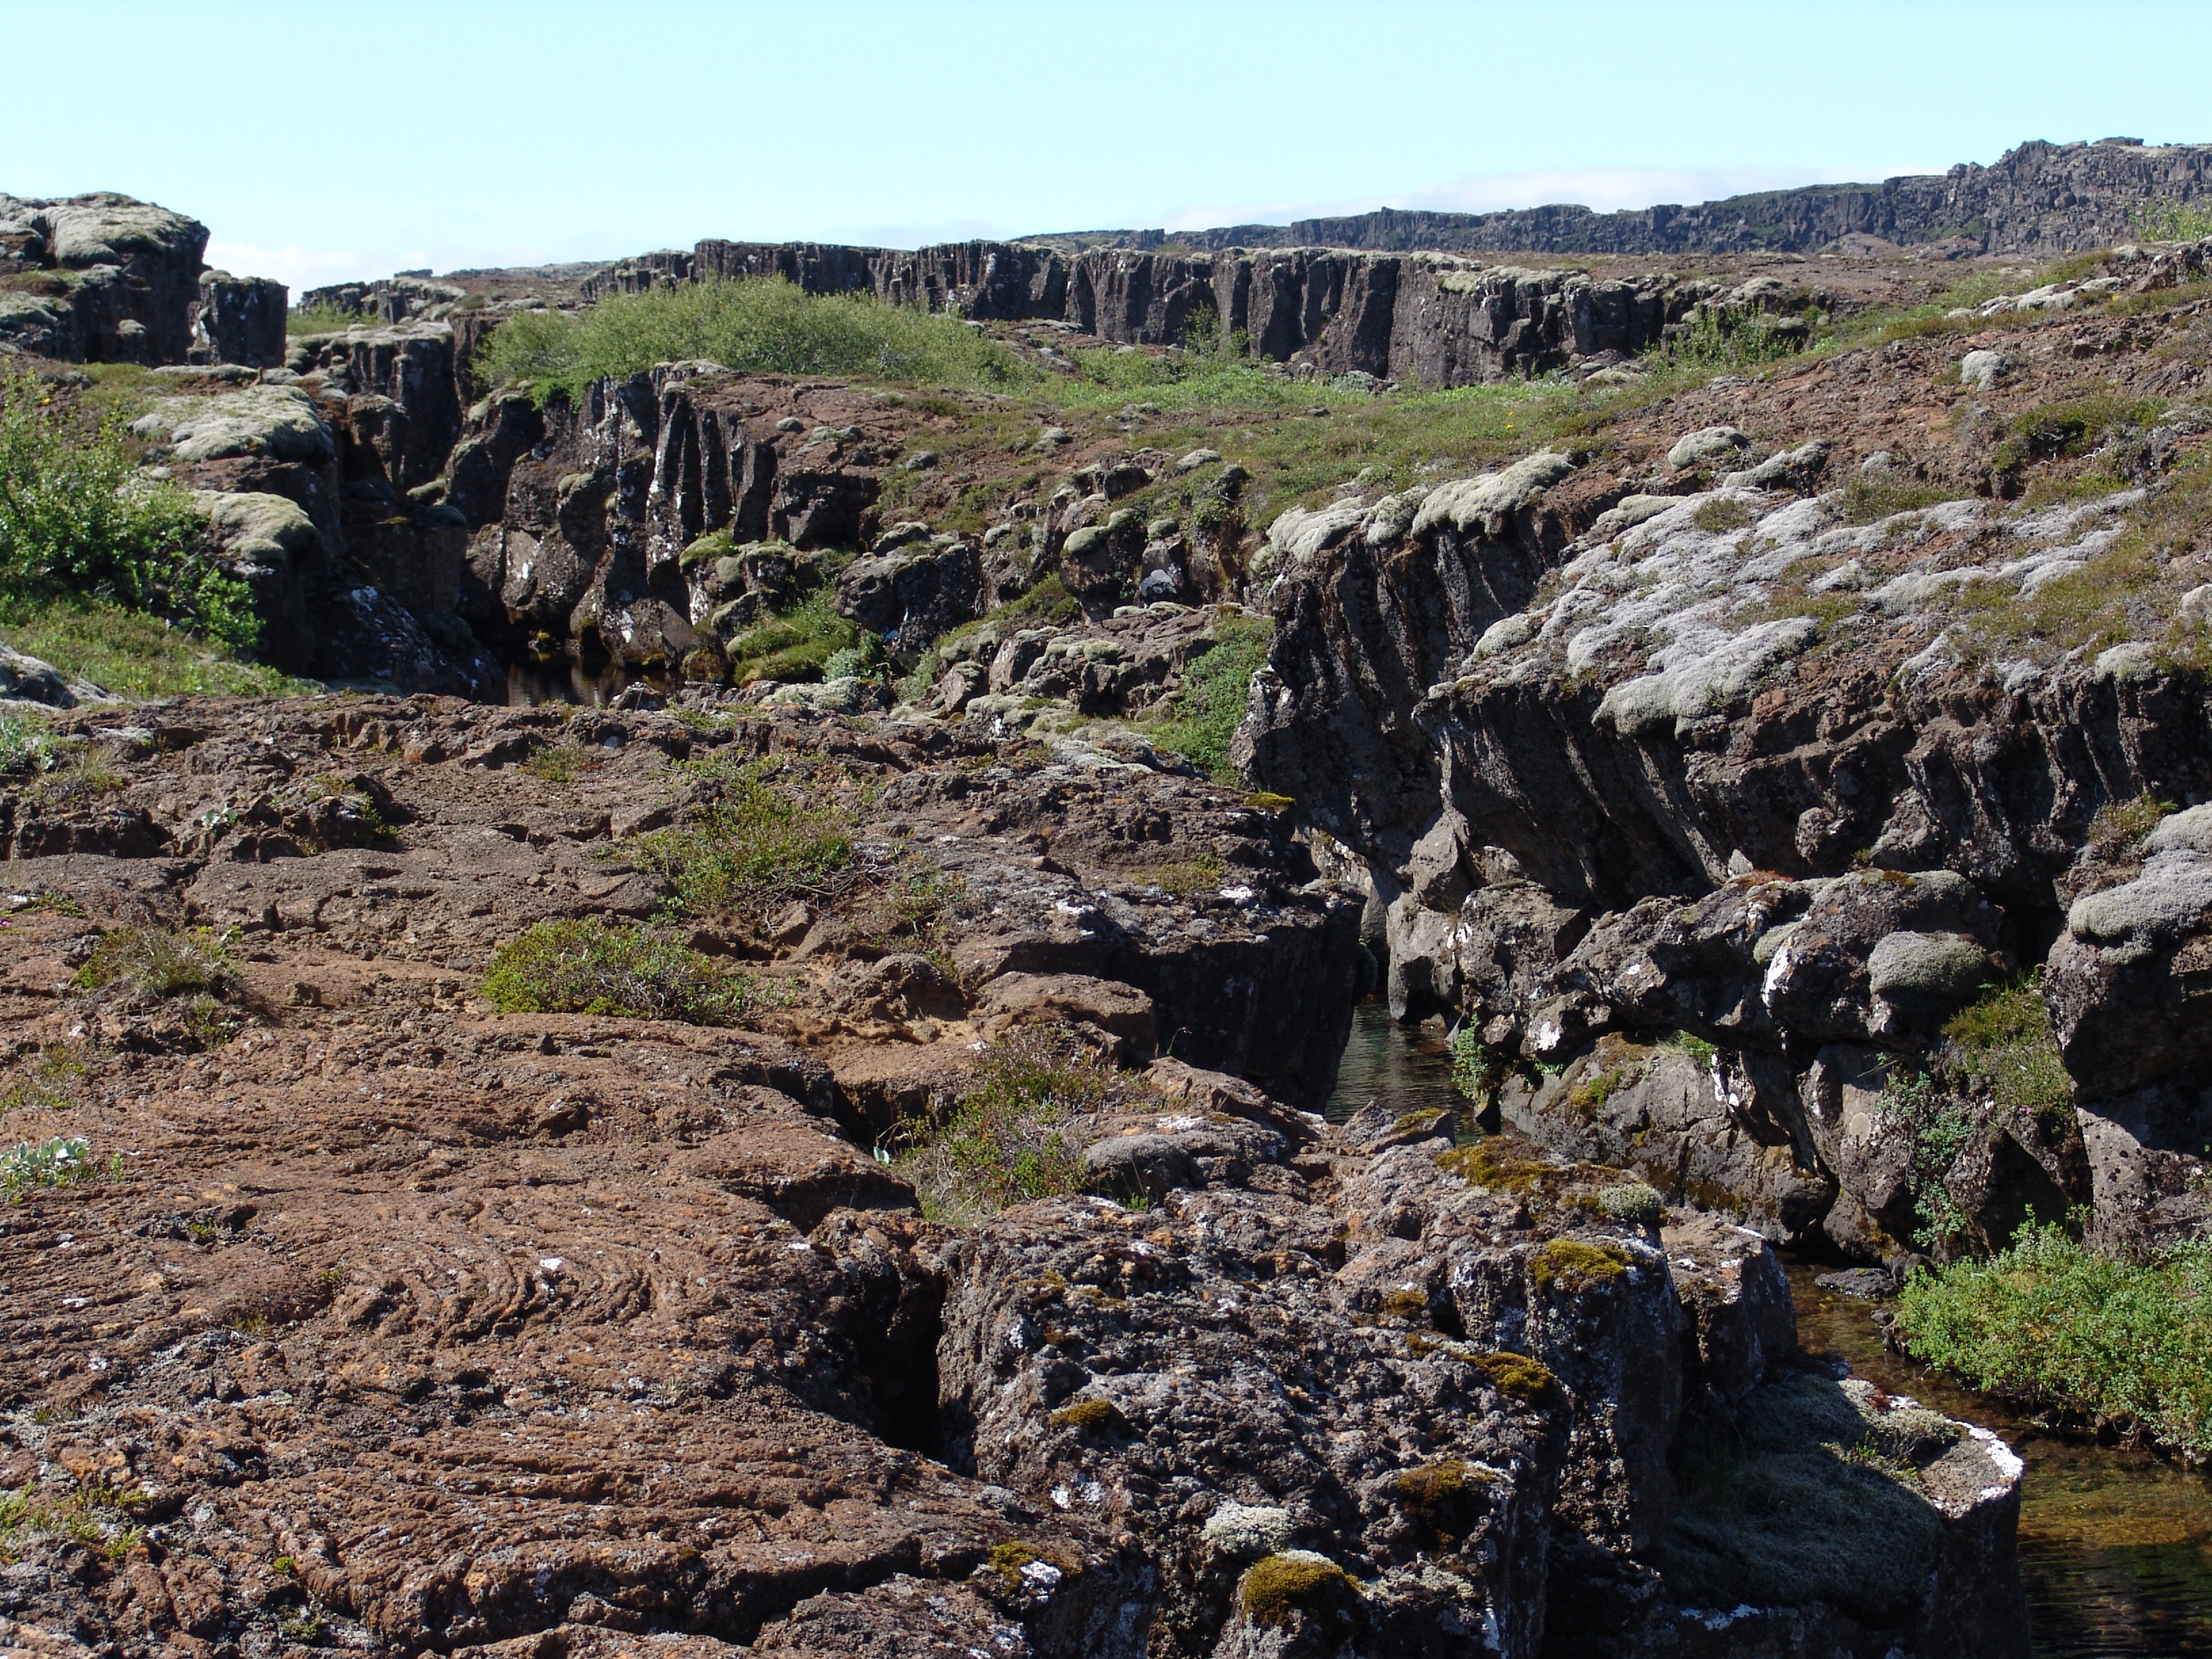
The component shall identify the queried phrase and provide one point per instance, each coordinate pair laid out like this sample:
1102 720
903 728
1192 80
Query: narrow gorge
692 999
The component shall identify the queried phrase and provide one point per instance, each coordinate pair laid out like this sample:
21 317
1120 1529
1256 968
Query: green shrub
762 325
755 844
1722 513
2173 222
27 746
1215 686
2053 1323
62 1161
154 961
797 644
628 972
2001 1045
1002 1140
1726 337
77 519
1937 1128
1639 1205
2118 829
2070 426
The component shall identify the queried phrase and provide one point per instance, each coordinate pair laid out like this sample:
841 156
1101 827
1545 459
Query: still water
2115 1545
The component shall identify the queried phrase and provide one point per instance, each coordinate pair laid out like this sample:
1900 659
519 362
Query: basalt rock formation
392 1322
2038 199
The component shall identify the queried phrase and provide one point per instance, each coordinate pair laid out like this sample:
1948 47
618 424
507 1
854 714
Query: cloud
1605 189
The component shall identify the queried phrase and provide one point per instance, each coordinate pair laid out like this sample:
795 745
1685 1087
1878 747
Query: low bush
1002 1138
2070 426
2053 1323
154 961
2002 1046
797 644
627 971
757 842
78 521
762 325
62 1161
1215 687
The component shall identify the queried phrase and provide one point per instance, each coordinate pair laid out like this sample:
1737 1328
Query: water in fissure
2115 1545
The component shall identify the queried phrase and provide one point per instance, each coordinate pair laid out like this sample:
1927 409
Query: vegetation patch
1915 1108
1722 513
2070 426
630 971
1091 1416
1574 1265
93 1514
1437 1492
2052 1323
1420 1122
79 522
2117 832
59 1161
758 325
2002 1046
1003 1137
49 1083
757 841
1295 1582
1528 1381
1215 688
1870 497
1010 1559
26 745
136 652
154 962
1638 1205
1490 1163
798 644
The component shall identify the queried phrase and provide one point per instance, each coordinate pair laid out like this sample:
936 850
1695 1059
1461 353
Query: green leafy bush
2053 1323
757 841
77 520
62 1161
1211 701
1937 1127
1002 1139
629 971
762 325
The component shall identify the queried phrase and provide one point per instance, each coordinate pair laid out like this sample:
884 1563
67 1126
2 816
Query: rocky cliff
2039 198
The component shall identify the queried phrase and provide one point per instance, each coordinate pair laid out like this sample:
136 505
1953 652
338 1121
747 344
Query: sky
324 142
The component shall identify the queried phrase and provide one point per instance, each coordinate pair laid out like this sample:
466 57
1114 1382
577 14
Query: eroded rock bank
350 1311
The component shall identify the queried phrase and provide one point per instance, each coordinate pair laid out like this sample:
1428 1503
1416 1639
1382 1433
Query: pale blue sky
326 141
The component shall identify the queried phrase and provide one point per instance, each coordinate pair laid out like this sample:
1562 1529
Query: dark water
2115 1545
531 681
1408 1067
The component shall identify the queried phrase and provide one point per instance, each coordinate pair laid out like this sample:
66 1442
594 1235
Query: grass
764 325
154 961
327 319
755 842
50 1081
797 644
2117 832
91 1513
1002 1139
2070 426
2052 1323
60 1161
26 745
563 762
2002 1046
1206 710
135 652
1870 497
627 971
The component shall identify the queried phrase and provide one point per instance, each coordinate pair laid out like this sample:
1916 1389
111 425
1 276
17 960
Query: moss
1406 1305
1530 1381
1296 1581
715 545
1575 1265
1438 1491
1490 1163
1091 1416
1259 800
1007 1561
1418 1122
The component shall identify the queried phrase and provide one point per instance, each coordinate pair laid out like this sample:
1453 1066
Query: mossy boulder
280 421
1293 1583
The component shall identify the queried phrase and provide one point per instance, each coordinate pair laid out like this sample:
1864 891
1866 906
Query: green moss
1575 1265
1406 1305
715 545
1420 1122
1296 1582
1007 1561
1530 1381
585 966
1489 1162
1091 1416
1440 1493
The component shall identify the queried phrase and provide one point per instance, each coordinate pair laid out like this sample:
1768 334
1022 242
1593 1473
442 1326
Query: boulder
239 319
1705 445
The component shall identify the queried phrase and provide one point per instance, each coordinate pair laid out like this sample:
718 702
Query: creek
2115 1544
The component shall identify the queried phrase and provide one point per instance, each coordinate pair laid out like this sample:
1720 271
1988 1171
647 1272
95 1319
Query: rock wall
2039 198
1438 320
